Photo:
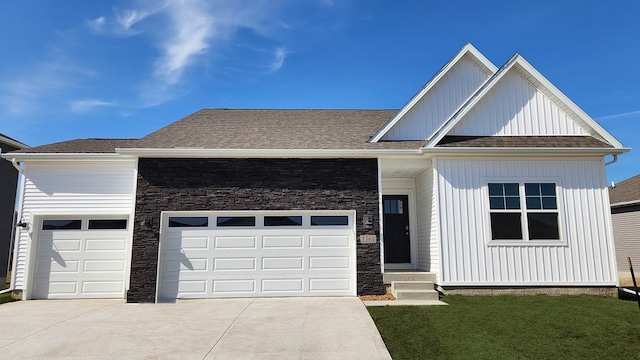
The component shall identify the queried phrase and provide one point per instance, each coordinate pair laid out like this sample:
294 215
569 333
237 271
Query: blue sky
80 69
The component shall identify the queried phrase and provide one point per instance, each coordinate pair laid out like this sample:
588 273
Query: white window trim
523 211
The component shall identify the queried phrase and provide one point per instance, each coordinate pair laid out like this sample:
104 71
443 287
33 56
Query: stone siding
251 184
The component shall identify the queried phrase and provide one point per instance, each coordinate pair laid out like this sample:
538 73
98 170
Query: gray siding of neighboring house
626 232
8 184
252 184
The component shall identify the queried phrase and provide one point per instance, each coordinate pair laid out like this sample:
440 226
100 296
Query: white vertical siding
515 107
440 102
584 258
72 188
424 195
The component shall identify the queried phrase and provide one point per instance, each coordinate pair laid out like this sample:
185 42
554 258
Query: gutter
263 153
626 203
61 156
508 151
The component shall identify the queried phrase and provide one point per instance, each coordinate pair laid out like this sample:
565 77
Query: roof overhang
65 156
509 151
626 203
266 153
11 142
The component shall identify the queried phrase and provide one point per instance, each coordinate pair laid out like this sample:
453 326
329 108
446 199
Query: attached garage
80 257
255 254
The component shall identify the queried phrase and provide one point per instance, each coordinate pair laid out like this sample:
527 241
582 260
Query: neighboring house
8 184
625 216
487 177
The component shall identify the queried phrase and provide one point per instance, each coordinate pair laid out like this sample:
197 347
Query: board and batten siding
585 256
626 232
72 188
422 121
514 106
427 245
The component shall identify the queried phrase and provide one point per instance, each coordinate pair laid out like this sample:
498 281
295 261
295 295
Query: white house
487 178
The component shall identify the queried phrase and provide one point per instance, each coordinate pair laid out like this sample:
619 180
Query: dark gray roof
523 141
625 191
276 129
83 146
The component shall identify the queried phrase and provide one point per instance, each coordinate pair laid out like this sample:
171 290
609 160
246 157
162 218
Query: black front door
396 229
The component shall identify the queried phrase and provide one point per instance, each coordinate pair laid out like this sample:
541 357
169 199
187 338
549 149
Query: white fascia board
537 151
14 143
265 153
524 64
470 103
467 49
626 203
67 156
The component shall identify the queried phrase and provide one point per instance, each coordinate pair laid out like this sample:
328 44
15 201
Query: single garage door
82 257
249 254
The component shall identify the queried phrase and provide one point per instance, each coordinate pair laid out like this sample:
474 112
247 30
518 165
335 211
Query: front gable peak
519 101
441 96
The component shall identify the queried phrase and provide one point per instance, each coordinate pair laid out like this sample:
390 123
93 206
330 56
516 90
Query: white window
526 211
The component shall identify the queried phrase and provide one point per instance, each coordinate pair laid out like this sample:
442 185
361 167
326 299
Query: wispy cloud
619 116
97 25
280 55
87 105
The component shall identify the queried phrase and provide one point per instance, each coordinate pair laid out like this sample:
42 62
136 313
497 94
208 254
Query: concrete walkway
265 328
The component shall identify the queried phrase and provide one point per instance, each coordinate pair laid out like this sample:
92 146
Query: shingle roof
276 129
83 146
625 191
523 141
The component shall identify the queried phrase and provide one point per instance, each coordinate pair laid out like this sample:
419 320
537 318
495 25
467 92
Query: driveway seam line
52 325
227 329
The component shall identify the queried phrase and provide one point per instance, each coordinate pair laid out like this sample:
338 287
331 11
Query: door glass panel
188 221
283 221
236 221
393 206
61 224
329 220
108 224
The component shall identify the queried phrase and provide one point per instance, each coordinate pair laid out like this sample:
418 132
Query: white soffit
467 50
519 64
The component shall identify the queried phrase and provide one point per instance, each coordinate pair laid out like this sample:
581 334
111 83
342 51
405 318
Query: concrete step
416 295
411 285
390 276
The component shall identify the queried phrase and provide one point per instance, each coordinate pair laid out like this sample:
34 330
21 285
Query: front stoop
412 285
414 290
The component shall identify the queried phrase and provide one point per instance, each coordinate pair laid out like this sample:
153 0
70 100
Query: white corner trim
467 49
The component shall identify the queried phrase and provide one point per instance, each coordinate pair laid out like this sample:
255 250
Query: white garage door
80 258
249 254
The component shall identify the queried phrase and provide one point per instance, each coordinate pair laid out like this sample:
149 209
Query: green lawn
6 297
512 327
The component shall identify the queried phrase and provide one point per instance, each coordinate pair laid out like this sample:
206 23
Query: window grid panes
393 206
536 220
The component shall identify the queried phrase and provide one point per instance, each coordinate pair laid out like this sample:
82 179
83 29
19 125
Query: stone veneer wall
251 184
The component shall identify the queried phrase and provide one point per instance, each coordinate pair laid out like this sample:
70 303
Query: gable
428 114
514 106
519 101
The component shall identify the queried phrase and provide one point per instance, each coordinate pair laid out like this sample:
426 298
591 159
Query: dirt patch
377 297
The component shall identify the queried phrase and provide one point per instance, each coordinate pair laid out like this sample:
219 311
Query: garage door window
188 221
329 220
61 224
283 221
108 224
236 221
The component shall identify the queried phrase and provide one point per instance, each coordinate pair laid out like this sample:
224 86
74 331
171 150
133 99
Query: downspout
615 158
15 165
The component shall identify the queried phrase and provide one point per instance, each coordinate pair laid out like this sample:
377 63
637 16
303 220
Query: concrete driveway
265 328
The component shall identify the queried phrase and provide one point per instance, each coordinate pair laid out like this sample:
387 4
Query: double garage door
254 254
